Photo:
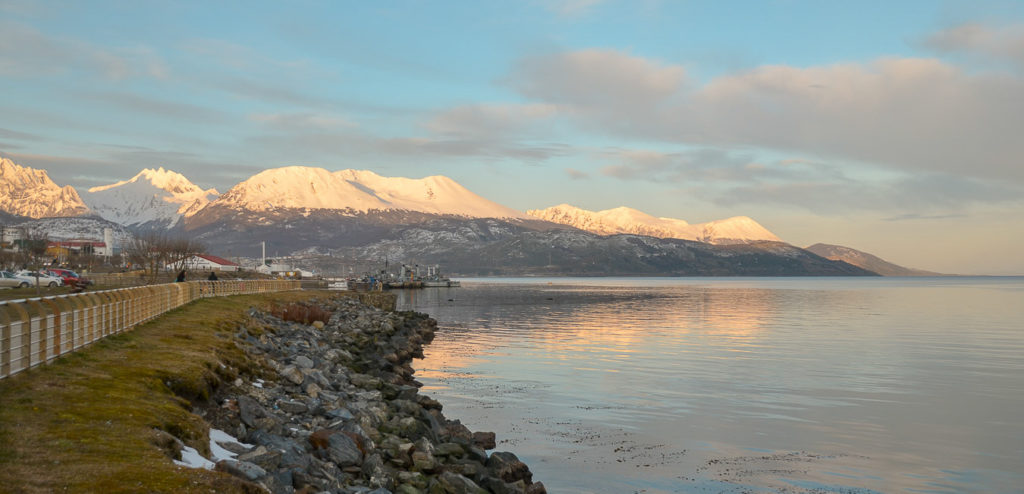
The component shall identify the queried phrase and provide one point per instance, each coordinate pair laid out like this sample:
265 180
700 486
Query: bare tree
181 250
141 252
36 241
156 251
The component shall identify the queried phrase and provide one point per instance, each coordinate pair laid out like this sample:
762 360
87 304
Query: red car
70 277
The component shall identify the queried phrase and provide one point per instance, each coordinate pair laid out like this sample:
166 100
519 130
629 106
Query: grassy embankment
97 420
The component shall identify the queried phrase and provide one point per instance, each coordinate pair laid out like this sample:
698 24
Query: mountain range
738 229
360 214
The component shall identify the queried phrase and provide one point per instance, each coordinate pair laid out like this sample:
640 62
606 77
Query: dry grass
90 421
300 312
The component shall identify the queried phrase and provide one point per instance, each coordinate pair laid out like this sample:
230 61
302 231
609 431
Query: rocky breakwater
341 412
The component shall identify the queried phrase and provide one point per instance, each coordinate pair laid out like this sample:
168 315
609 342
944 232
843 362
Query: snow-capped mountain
151 199
300 187
739 229
29 192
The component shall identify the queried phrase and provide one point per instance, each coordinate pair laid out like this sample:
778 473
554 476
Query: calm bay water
739 384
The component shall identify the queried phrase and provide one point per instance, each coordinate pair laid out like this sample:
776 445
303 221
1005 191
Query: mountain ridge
302 187
435 219
625 220
865 260
30 192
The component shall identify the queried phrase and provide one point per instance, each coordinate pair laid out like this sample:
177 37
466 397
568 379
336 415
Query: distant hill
866 261
8 219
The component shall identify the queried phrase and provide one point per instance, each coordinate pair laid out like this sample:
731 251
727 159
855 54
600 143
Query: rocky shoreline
338 411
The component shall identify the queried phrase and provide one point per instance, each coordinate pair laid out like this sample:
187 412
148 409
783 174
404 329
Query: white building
284 270
206 262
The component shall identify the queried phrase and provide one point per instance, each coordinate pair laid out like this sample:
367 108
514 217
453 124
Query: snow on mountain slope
79 228
29 192
160 197
738 229
304 187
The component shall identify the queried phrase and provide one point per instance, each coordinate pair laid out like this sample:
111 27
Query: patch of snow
79 227
192 459
217 451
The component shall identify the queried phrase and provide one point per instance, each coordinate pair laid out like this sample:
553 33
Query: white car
9 280
45 279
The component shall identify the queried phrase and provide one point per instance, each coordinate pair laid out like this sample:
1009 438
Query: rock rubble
343 414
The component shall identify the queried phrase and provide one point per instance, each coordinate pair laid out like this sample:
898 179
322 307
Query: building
10 234
206 262
284 271
10 237
64 248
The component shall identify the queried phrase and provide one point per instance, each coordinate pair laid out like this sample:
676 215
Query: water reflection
795 384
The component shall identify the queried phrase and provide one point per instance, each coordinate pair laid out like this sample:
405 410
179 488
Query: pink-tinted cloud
27 52
1002 42
493 121
908 114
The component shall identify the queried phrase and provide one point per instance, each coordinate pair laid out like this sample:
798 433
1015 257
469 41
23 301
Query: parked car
70 277
9 280
45 278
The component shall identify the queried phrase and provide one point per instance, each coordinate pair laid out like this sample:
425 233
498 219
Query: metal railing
35 331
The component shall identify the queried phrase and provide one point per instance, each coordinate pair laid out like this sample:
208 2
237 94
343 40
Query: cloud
160 108
912 196
709 166
735 178
358 146
301 121
26 52
922 217
491 121
224 53
575 174
571 8
1005 42
23 7
597 79
907 114
484 132
109 164
235 56
13 134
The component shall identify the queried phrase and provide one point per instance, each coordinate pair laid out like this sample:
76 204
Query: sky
896 128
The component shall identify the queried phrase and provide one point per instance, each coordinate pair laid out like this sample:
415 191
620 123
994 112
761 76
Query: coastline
134 412
337 410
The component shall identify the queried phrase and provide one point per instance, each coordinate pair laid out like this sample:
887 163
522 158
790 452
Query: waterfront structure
207 262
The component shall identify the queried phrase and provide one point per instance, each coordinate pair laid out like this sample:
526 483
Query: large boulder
340 447
506 466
